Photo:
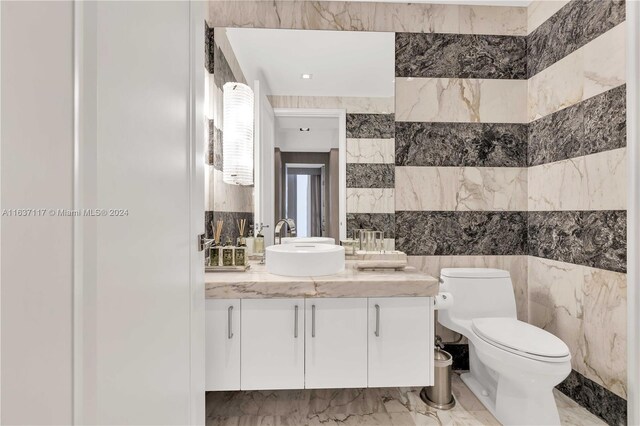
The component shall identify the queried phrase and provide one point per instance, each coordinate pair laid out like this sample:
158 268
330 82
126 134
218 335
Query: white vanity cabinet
222 344
272 340
336 343
400 341
314 343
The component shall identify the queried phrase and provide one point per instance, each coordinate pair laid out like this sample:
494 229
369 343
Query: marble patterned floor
387 406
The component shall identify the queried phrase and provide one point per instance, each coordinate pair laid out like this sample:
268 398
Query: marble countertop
257 283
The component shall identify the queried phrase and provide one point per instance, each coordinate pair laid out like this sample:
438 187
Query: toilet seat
521 338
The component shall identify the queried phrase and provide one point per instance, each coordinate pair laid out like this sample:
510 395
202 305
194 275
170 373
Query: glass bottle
227 253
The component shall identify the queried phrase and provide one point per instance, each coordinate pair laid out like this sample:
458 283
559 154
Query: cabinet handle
377 332
313 320
295 324
229 322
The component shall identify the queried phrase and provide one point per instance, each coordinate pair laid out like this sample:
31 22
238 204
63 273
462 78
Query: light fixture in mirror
237 146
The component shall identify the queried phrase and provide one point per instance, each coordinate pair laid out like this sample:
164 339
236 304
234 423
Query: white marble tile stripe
461 100
368 16
541 10
574 302
461 188
378 151
591 182
370 200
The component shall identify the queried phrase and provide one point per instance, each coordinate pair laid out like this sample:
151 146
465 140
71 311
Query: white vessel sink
304 259
309 240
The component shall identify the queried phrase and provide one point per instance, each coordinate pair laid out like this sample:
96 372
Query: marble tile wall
441 233
461 188
371 173
595 238
461 56
223 201
363 16
461 133
462 100
591 182
461 144
590 70
577 193
570 28
370 126
461 155
371 151
539 11
594 125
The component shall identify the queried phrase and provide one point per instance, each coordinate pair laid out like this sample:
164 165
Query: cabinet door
336 343
272 337
222 350
400 341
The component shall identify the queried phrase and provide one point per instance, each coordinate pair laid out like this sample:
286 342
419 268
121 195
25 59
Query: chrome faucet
277 231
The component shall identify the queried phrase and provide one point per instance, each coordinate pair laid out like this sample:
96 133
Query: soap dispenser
259 241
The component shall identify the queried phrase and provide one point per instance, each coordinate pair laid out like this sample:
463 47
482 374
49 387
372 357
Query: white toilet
514 366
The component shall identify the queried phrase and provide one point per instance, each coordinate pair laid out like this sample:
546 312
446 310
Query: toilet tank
477 293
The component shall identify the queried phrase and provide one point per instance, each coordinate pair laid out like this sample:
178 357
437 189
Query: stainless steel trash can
439 395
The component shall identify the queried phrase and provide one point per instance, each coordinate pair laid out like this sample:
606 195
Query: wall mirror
318 98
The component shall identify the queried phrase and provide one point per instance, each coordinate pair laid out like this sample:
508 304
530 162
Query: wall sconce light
237 136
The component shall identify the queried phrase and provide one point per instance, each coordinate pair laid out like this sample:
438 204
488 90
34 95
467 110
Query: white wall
36 163
312 141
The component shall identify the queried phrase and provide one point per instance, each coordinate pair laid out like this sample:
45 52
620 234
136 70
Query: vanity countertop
257 283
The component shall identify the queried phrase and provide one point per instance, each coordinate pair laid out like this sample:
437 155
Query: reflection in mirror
324 103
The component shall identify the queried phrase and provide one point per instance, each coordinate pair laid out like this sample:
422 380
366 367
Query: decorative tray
227 268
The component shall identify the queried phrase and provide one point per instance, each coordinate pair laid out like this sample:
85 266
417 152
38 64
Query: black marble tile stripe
230 227
214 150
592 238
441 233
370 175
222 72
461 144
597 399
461 56
370 126
594 125
209 50
573 26
384 222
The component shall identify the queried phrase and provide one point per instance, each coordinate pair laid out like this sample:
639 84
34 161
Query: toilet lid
520 337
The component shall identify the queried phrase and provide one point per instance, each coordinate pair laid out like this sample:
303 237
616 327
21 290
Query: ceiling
321 137
342 63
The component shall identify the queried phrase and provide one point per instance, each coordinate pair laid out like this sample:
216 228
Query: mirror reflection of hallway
307 191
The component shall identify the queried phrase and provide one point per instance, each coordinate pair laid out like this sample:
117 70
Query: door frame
341 115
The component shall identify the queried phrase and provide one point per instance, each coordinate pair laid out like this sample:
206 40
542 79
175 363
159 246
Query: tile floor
387 406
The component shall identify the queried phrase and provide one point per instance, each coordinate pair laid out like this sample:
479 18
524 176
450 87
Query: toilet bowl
514 366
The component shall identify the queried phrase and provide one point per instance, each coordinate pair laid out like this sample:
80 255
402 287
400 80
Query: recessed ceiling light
306 76
304 129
